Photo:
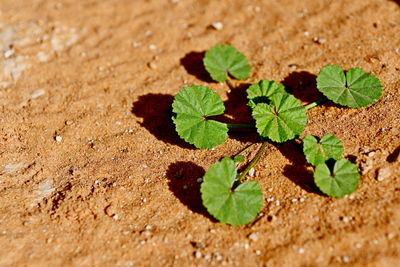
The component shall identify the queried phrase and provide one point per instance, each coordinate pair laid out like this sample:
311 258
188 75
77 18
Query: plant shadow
156 111
396 1
193 64
303 85
297 171
182 181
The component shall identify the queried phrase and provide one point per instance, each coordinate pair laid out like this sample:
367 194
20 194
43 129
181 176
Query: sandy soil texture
92 172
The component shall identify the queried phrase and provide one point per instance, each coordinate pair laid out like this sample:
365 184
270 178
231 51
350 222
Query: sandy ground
93 174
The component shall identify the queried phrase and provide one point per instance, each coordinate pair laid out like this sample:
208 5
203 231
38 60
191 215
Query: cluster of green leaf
278 117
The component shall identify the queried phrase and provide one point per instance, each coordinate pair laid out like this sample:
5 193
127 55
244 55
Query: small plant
279 117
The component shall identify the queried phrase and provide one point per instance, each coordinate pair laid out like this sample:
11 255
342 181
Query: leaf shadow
156 112
394 156
297 170
303 85
193 64
396 1
182 181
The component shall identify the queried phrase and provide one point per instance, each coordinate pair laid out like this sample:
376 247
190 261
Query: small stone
152 65
152 47
246 245
301 250
38 93
252 172
293 67
197 254
69 122
358 245
258 252
371 154
253 236
58 138
277 203
302 199
148 227
384 173
199 180
174 1
136 44
294 200
345 259
148 33
8 53
217 25
391 235
116 217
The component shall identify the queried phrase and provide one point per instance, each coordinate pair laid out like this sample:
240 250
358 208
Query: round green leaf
223 59
342 181
192 105
234 206
260 92
355 88
283 119
316 152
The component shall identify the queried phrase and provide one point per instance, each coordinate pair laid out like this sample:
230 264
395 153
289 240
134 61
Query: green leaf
355 88
238 158
230 205
220 60
342 181
192 105
282 120
329 147
261 92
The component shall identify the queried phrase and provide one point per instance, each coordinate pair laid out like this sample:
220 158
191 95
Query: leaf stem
236 125
253 162
229 82
316 103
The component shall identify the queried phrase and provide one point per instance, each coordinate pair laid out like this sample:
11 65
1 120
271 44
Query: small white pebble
199 180
345 259
152 65
97 182
358 245
302 199
207 257
147 180
258 252
148 33
69 122
351 196
38 93
253 237
142 242
384 173
270 189
118 123
306 34
152 47
144 200
375 242
371 154
252 172
246 245
58 138
8 53
217 25
100 68
391 235
136 44
270 199
148 227
197 254
345 219
294 200
277 203
116 217
301 250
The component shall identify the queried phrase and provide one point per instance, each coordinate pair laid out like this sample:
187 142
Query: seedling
279 117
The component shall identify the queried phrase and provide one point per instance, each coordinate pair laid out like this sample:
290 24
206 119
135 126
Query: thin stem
229 82
245 149
235 125
316 103
253 161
